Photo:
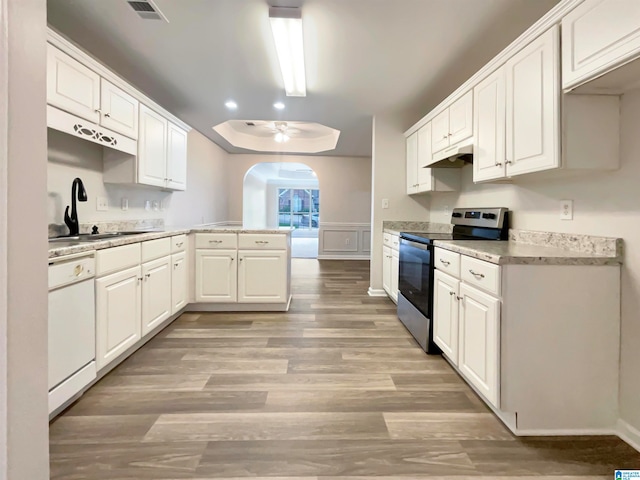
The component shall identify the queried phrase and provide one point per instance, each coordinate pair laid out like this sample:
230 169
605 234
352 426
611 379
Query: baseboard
344 257
564 432
629 434
239 307
375 292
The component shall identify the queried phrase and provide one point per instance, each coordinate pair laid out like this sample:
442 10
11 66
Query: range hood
457 155
81 128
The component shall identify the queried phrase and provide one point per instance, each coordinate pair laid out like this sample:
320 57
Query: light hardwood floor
334 389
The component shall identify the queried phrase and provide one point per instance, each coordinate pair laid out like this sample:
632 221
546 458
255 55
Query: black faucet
72 221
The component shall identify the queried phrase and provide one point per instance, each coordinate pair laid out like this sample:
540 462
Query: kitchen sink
93 237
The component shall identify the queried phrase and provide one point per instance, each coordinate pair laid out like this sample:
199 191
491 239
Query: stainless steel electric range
415 283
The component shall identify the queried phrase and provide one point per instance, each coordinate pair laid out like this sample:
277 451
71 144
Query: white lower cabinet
118 314
478 341
391 265
156 293
179 281
216 276
257 269
445 314
262 276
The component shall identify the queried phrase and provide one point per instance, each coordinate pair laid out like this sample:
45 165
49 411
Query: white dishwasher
72 326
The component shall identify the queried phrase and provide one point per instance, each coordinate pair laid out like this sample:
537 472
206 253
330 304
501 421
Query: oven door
416 274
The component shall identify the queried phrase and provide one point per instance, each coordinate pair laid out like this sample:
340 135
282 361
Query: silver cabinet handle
262 242
498 164
215 241
475 274
175 265
107 115
139 279
97 110
445 136
444 262
241 258
147 275
508 162
179 244
450 135
458 297
452 293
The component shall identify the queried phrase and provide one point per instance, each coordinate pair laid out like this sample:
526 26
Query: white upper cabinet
533 106
118 110
489 111
454 124
76 89
176 158
598 36
412 163
424 179
71 86
152 148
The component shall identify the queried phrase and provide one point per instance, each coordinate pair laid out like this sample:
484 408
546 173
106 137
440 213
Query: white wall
345 184
606 204
205 200
254 205
206 197
389 181
24 436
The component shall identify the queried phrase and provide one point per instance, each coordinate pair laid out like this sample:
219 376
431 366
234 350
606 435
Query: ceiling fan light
281 137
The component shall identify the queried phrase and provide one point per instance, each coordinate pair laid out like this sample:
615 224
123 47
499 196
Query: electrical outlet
446 210
147 204
385 203
566 209
125 203
102 204
347 241
156 205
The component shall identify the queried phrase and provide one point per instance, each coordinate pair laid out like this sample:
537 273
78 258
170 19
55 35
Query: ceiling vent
147 10
250 124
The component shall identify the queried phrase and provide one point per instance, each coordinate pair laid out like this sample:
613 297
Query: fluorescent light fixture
231 105
286 25
278 106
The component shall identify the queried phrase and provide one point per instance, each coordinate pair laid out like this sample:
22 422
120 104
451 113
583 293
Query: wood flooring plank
355 333
370 401
300 382
289 353
195 367
159 402
267 426
365 366
445 426
169 382
69 430
362 342
341 457
126 461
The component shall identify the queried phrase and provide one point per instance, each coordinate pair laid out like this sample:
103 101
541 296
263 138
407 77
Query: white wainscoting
344 241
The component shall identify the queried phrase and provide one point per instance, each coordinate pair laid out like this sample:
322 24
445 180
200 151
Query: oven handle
421 246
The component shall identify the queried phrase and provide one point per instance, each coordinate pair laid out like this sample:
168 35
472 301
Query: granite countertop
515 253
59 249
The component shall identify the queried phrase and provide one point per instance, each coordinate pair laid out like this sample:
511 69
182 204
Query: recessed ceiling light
278 106
231 105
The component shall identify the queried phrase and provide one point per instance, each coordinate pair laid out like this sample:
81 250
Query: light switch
385 203
125 203
102 204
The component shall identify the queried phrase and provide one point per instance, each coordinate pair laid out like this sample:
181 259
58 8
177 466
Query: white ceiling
363 57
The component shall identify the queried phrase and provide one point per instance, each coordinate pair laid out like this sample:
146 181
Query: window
299 208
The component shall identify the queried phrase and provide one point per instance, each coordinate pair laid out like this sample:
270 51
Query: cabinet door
445 314
386 269
71 86
479 341
424 177
176 158
412 163
118 314
152 148
216 276
119 110
489 121
440 132
461 119
597 36
156 293
179 281
533 106
262 276
395 272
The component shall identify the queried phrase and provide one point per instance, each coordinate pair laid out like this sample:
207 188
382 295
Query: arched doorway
284 195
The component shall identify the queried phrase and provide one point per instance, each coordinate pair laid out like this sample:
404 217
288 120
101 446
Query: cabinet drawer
117 258
153 249
448 261
178 243
392 241
271 241
216 240
481 274
386 239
